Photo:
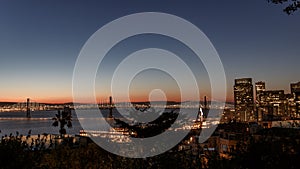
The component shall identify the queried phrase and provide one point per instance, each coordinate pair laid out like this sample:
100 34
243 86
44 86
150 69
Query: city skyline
40 43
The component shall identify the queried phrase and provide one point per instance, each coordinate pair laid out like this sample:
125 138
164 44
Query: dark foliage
293 5
153 128
63 118
270 151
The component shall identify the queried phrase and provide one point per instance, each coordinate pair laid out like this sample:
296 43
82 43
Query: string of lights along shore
268 105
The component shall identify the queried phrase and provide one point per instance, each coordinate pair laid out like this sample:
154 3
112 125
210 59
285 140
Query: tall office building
260 87
243 100
295 91
295 87
273 103
269 104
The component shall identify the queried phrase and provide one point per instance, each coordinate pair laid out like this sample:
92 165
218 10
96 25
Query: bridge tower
203 112
205 103
110 107
28 108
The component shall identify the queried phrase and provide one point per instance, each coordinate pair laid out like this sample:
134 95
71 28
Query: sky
41 40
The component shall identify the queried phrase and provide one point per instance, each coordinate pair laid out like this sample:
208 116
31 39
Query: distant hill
7 103
157 102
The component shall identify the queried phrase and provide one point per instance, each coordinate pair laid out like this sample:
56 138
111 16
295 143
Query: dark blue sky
40 40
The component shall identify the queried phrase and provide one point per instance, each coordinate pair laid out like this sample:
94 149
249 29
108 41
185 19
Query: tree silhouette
149 129
293 5
63 118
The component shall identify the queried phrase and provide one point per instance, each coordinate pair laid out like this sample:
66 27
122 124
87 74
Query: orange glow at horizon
51 100
58 100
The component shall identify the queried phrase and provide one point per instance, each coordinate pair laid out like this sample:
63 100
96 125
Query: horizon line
71 102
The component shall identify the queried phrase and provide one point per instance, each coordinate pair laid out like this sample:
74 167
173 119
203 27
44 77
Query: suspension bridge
28 106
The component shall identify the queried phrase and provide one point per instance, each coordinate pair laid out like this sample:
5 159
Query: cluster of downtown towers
268 105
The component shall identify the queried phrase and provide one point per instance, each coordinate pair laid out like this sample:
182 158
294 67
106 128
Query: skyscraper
273 104
295 91
260 87
243 100
269 104
295 87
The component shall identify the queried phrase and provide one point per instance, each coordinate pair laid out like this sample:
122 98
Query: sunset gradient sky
40 41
